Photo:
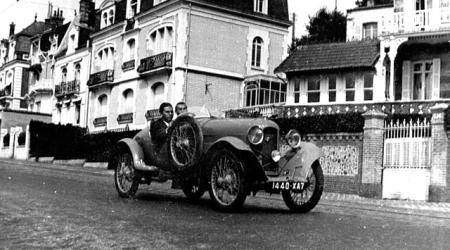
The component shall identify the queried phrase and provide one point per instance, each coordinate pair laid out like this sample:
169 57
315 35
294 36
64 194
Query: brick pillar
372 159
439 141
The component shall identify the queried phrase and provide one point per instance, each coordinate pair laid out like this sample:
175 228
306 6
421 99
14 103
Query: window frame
350 90
257 49
312 92
422 72
255 94
371 28
368 89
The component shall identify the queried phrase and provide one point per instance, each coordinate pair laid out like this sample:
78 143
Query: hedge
70 142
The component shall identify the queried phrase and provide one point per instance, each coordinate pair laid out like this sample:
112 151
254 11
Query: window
422 80
368 87
297 91
6 139
107 17
38 107
260 6
350 88
102 110
77 71
64 75
72 43
131 44
370 31
133 8
160 40
127 101
313 90
263 92
256 52
77 112
331 88
104 59
111 17
158 95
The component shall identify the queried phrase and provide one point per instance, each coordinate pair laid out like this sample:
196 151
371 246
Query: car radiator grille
270 143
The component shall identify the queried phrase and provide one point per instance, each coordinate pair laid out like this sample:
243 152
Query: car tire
185 143
125 178
227 184
193 191
312 191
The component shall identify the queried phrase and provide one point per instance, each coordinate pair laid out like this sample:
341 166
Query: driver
159 128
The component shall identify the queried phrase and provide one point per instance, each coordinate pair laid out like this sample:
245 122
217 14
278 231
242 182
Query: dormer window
111 17
107 16
133 8
260 6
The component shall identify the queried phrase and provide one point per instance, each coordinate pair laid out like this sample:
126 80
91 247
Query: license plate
287 185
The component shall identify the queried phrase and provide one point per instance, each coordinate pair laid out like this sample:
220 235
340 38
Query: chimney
56 19
87 13
12 26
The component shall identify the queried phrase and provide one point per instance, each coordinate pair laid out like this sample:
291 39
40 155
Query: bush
332 123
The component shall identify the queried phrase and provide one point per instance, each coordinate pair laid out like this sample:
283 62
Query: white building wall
356 19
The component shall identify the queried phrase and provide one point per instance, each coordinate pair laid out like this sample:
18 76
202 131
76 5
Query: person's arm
158 131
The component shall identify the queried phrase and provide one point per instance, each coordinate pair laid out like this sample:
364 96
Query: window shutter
436 78
406 80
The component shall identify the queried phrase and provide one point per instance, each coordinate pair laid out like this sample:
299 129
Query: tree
324 27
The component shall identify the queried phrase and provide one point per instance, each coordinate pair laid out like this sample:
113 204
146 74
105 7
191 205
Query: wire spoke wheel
183 144
308 198
226 181
125 176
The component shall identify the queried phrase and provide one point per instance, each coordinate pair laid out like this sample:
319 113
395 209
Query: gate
407 159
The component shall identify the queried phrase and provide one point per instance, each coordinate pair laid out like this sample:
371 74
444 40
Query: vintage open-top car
231 158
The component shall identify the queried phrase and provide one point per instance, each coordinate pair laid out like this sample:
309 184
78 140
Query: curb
102 165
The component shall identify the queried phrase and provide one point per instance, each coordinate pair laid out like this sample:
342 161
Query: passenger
180 108
160 127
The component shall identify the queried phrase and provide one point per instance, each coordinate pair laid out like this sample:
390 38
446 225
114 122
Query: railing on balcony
125 118
104 76
67 88
419 108
128 65
416 21
100 121
43 85
6 91
155 62
152 114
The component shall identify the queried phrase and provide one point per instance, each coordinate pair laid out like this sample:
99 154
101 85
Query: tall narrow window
422 81
64 75
102 106
350 88
77 72
332 88
297 91
131 47
133 7
256 52
313 89
368 87
111 17
158 94
260 6
77 112
105 19
127 101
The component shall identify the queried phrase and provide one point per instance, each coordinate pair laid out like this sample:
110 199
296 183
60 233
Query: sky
22 12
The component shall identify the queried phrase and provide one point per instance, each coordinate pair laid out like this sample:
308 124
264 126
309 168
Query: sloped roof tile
331 56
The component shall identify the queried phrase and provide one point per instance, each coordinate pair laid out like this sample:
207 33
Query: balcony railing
128 65
67 88
419 108
104 76
155 62
125 118
152 114
43 85
6 91
416 21
100 121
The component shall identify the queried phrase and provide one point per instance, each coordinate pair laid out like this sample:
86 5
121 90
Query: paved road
48 208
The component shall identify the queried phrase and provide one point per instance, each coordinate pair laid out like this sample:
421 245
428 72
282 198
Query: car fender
135 149
296 164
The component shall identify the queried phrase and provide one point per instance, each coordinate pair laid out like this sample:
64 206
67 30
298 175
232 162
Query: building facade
200 52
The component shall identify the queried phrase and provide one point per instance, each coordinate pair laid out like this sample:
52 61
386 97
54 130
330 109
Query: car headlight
276 155
293 138
255 135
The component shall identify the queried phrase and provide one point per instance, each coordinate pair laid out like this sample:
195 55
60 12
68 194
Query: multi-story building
203 52
15 53
395 65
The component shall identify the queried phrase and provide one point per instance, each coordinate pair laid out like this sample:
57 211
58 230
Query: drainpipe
87 87
186 61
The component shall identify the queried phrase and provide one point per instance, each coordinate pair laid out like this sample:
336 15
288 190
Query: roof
33 29
48 34
332 56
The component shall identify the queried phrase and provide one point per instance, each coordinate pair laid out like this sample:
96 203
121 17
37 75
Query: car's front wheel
226 181
308 198
125 176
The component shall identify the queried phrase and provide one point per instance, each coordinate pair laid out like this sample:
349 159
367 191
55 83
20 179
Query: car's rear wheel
125 178
226 181
308 198
185 143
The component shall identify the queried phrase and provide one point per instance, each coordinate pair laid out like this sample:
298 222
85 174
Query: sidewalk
406 207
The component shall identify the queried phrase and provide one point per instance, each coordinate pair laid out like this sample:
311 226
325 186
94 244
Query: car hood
232 127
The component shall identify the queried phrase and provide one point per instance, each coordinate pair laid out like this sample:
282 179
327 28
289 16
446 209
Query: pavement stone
409 207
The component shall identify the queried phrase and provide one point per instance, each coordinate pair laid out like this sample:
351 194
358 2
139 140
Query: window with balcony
130 49
422 80
368 87
160 40
370 31
313 89
349 88
77 72
104 59
256 52
263 92
332 88
260 6
64 75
